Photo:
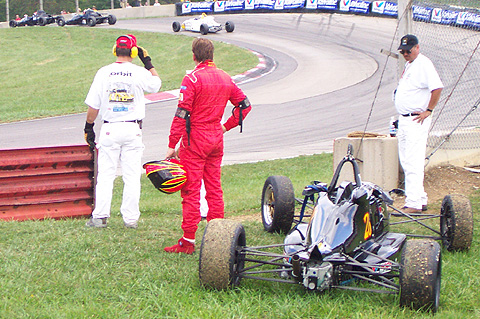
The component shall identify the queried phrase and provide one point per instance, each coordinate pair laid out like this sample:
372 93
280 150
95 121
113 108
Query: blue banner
355 6
422 13
327 4
468 19
385 8
444 16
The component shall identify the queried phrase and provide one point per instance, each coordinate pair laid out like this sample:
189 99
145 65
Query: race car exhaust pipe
296 270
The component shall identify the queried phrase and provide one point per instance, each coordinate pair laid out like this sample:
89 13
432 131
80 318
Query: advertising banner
468 19
249 4
264 4
327 4
421 13
192 7
385 8
356 6
444 16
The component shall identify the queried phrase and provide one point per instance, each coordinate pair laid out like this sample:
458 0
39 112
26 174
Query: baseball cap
126 41
407 42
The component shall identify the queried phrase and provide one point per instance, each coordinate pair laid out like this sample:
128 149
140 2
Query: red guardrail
48 182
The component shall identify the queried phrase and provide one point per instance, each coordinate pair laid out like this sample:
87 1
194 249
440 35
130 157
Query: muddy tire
278 204
420 275
456 223
220 259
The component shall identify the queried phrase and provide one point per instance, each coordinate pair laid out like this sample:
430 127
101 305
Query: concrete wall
167 10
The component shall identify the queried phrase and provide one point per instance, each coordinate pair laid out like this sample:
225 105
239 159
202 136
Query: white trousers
412 146
119 142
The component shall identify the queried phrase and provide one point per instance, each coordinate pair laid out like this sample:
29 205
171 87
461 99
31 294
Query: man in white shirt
417 94
117 94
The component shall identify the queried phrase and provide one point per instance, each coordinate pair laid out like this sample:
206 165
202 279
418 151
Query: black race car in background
40 18
91 18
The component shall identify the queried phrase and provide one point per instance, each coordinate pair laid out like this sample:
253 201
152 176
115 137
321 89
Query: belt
410 114
132 121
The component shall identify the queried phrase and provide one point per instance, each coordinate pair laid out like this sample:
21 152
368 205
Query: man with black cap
417 94
117 93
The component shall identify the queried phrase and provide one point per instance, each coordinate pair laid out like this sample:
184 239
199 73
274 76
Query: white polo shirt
118 91
415 86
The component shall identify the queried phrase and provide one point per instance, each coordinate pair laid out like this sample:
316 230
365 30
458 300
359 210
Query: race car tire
42 21
12 23
61 21
420 274
112 19
278 204
204 28
220 259
456 223
176 26
91 22
229 26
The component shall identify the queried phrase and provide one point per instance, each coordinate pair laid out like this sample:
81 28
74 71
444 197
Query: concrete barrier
167 10
377 160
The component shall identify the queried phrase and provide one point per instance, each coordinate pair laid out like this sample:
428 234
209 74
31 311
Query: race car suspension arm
417 220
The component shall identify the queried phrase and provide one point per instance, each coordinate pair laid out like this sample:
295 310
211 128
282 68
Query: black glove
90 135
145 58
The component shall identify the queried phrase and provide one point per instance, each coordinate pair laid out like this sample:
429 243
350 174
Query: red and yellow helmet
168 176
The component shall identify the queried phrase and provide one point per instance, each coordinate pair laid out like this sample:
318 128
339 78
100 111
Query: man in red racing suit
204 94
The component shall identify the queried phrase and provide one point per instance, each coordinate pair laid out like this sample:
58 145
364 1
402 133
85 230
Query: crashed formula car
91 18
203 24
347 239
40 18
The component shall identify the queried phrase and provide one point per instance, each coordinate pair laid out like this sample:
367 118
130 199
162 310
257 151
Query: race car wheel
42 21
91 22
456 222
12 23
204 28
278 204
112 19
61 21
221 260
176 26
229 26
420 274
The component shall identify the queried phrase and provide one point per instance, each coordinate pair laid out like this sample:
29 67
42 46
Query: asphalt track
327 71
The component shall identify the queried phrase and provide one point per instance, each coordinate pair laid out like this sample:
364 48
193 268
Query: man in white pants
416 96
117 93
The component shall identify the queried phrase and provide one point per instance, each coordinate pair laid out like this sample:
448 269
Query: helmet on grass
168 176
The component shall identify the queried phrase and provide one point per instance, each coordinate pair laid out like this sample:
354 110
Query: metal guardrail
47 182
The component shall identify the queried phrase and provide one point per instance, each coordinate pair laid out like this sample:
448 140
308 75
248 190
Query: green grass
59 269
47 71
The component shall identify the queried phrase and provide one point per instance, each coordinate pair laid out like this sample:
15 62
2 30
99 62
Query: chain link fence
449 34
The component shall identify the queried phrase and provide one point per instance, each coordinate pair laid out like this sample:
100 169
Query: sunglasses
405 51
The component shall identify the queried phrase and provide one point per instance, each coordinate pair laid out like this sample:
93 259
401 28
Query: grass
59 269
47 71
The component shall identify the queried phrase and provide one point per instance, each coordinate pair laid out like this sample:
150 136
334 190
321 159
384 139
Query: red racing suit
204 94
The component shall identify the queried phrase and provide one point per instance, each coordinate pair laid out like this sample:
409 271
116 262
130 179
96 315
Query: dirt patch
445 180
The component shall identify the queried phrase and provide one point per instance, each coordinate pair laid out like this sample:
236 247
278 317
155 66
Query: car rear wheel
229 26
278 204
12 23
456 222
420 274
112 19
42 21
204 28
221 259
61 21
91 22
176 26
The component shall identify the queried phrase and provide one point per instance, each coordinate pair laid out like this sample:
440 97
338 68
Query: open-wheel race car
91 18
40 18
347 239
203 24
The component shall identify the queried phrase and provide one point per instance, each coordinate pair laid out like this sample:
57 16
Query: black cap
407 42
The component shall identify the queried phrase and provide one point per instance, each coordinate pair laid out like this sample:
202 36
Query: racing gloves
90 135
145 58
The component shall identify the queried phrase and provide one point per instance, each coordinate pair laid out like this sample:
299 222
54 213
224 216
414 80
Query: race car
346 243
91 18
40 18
203 24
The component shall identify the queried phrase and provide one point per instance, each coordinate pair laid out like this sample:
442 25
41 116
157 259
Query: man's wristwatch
429 110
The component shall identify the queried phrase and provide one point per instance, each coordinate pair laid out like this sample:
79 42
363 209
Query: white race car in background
203 24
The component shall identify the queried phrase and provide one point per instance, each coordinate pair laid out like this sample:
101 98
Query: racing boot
184 246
